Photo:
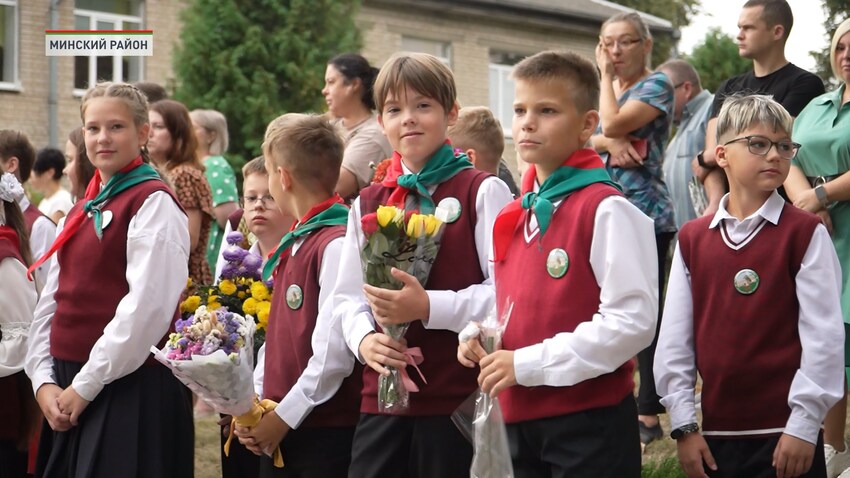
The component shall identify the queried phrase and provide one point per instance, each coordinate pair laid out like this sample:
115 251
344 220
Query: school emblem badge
452 209
746 281
294 297
557 263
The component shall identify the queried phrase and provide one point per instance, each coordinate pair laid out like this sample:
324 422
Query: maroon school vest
456 267
290 333
545 306
92 278
12 411
747 346
31 213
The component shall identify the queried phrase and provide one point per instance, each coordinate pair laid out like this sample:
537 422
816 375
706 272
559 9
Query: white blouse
17 302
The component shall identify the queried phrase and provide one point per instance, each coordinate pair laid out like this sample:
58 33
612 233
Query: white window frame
15 83
504 87
118 20
445 46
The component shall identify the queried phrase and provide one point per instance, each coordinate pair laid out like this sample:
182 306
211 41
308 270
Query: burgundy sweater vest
747 347
31 213
12 387
92 279
455 268
290 333
545 306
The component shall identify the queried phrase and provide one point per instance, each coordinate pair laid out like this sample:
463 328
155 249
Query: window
502 87
106 15
8 43
441 50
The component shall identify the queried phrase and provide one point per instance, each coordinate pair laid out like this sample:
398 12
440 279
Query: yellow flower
263 309
432 225
415 225
190 304
241 294
188 282
211 299
387 214
214 305
250 306
227 287
259 291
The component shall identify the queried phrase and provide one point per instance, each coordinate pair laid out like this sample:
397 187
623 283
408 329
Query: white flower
10 189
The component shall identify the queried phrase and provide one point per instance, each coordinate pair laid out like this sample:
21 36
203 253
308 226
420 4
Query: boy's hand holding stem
497 368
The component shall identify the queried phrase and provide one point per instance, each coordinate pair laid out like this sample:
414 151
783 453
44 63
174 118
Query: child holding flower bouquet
307 368
416 98
578 261
111 294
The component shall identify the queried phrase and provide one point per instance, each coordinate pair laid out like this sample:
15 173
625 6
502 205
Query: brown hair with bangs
578 74
184 143
420 72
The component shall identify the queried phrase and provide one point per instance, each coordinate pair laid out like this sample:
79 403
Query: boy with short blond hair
307 368
564 376
479 134
753 307
416 99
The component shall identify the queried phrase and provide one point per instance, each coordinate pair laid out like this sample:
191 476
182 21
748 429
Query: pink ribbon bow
413 356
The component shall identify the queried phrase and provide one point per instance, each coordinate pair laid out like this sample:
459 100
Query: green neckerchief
117 183
335 215
442 166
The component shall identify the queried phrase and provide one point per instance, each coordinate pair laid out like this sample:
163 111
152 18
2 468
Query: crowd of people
632 172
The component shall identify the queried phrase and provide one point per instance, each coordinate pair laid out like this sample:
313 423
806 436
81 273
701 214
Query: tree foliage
835 12
256 59
716 59
678 12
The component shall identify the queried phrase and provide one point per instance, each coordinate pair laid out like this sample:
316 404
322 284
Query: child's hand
693 451
470 352
48 400
268 434
245 438
391 307
379 350
792 456
71 403
497 372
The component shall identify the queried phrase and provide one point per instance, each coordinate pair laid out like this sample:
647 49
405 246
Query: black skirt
140 425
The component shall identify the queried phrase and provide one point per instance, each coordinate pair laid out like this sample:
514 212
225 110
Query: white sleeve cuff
441 310
86 387
361 326
294 408
680 408
802 428
527 361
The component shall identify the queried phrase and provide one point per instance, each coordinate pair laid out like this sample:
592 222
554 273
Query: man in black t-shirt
763 26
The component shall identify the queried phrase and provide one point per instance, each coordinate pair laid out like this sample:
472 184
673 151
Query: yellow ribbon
251 419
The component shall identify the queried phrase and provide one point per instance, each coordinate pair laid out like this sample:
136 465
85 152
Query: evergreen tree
256 59
716 59
678 12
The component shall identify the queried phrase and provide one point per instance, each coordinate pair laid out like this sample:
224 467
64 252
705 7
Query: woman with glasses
819 183
635 114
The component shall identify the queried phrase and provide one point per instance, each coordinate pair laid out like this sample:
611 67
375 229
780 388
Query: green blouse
223 185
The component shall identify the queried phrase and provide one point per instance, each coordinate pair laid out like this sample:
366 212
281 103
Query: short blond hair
476 128
255 166
308 146
578 74
423 73
740 113
842 30
214 122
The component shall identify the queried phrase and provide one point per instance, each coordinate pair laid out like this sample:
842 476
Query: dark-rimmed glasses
760 146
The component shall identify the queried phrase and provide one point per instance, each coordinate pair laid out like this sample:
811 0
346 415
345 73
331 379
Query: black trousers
648 401
241 462
13 462
598 443
753 458
387 446
321 452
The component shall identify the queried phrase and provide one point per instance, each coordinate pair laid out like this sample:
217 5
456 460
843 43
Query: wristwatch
684 430
701 161
820 192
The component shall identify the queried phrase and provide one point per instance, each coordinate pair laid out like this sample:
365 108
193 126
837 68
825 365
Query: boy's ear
720 156
451 115
285 178
472 155
589 124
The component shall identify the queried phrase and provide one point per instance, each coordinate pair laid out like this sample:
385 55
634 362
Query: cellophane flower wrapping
408 241
491 453
212 353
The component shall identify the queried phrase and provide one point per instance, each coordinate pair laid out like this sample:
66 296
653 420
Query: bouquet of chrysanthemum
240 288
409 242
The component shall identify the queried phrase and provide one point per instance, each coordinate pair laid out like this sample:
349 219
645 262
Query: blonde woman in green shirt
819 182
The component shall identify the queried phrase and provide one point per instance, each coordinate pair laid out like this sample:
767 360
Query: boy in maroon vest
416 98
578 262
753 307
306 360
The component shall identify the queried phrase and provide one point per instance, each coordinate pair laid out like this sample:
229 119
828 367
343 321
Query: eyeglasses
760 146
623 43
267 200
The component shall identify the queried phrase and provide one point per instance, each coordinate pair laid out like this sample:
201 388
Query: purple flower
228 271
234 254
235 237
252 261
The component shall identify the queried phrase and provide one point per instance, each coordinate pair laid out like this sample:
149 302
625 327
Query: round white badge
452 208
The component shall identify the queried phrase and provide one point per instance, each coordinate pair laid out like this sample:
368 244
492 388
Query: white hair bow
10 189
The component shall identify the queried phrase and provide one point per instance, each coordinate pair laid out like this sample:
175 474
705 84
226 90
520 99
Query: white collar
770 210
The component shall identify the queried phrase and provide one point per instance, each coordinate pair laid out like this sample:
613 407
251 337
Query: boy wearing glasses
752 306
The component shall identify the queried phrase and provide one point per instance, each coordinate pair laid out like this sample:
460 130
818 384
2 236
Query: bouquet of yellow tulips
408 241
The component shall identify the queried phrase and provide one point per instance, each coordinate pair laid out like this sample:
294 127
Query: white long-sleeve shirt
623 258
157 269
449 310
818 383
41 238
17 301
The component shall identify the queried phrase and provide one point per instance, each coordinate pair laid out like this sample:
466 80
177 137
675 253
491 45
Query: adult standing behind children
818 182
753 308
763 29
690 115
480 136
78 168
348 92
173 147
46 178
566 371
211 131
417 102
112 294
635 114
